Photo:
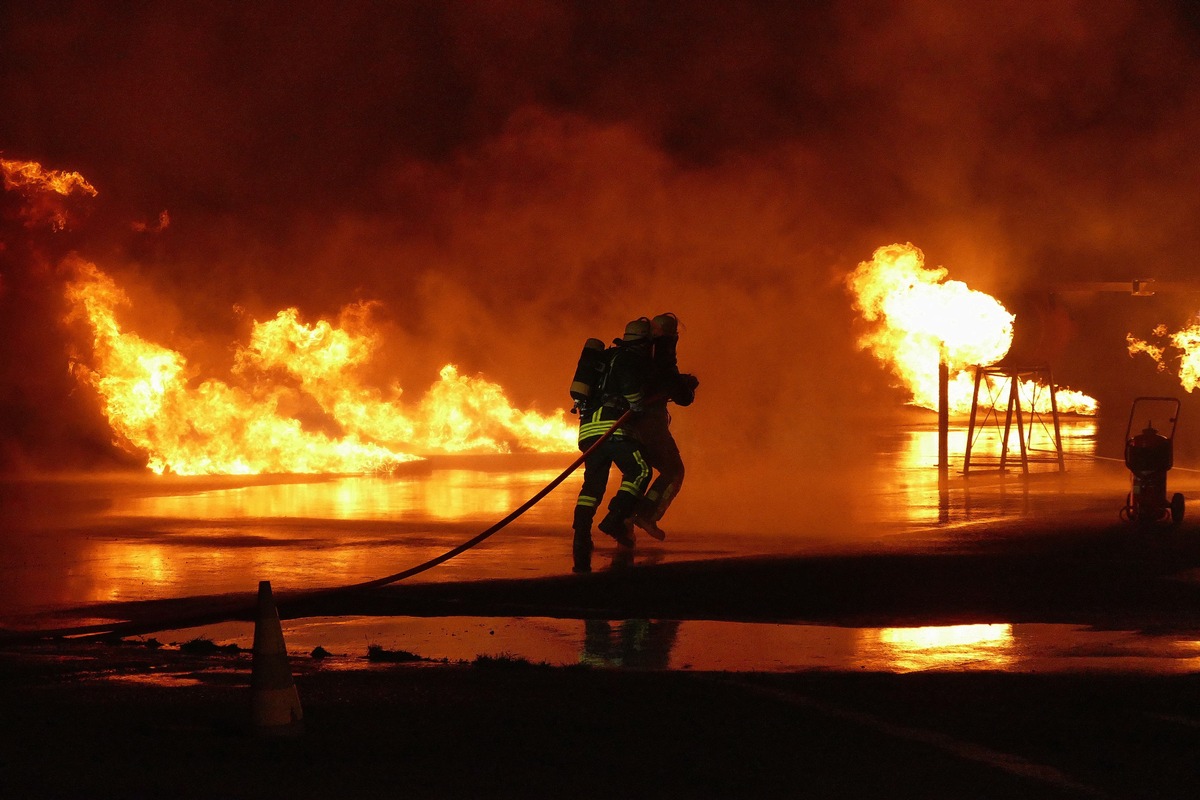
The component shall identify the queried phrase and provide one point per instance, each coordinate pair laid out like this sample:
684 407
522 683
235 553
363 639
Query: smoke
507 179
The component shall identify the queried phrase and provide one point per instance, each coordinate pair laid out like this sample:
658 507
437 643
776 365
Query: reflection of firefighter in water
622 387
653 426
637 643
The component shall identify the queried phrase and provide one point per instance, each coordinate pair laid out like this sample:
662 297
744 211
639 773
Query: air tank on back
588 372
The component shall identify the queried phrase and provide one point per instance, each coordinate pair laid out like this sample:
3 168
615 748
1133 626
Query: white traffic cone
275 704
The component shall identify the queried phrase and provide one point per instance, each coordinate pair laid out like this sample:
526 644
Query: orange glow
1186 341
909 649
918 317
157 403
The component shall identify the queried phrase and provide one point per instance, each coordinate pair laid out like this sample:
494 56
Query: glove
685 390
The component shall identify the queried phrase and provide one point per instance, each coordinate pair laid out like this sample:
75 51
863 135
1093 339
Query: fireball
918 319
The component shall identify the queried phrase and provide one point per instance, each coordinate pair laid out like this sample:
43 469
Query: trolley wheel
1176 508
1126 513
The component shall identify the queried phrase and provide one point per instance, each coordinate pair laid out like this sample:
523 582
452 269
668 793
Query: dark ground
504 728
510 729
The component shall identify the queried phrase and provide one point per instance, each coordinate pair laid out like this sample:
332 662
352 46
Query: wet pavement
79 547
997 636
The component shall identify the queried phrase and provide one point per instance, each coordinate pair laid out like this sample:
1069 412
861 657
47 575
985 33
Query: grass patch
505 661
377 653
206 647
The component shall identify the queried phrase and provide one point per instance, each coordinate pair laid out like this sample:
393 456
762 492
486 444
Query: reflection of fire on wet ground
346 643
153 540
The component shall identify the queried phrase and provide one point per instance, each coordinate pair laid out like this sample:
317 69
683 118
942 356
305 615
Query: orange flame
156 404
1186 341
920 318
39 186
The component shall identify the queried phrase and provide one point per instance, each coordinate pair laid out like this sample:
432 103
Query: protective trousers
653 429
635 475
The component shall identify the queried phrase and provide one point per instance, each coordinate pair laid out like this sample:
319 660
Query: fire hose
467 545
132 628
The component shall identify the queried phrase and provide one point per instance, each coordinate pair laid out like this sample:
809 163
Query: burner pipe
943 417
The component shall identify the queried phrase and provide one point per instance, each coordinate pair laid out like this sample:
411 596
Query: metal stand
1042 378
943 419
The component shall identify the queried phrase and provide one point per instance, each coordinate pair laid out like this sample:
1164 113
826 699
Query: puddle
726 646
155 679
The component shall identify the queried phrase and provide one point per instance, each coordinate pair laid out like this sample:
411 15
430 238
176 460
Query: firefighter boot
618 528
581 550
649 525
644 517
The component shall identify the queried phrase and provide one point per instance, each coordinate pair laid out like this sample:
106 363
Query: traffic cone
275 704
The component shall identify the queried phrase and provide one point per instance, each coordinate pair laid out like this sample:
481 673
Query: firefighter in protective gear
623 388
653 425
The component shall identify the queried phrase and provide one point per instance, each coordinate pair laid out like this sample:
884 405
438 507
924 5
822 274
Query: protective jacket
666 381
624 387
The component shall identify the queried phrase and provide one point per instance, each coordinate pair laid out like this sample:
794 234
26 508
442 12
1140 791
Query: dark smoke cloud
509 178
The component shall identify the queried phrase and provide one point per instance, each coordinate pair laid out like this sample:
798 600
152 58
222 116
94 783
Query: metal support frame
1041 375
943 418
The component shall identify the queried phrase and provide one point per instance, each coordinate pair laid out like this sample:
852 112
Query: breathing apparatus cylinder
588 372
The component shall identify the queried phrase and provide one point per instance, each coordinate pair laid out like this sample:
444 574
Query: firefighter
653 425
623 387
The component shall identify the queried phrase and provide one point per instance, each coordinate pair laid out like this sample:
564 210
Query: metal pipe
943 417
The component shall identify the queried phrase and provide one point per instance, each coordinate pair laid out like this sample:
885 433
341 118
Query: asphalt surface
507 729
90 718
116 717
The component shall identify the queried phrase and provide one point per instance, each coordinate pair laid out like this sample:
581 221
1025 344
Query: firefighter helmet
665 324
638 330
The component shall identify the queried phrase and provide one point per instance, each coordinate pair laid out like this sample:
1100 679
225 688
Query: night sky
507 179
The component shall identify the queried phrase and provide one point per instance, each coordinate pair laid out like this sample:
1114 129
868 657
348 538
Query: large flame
1185 340
157 404
920 319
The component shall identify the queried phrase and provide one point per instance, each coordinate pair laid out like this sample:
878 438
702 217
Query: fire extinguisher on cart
1149 455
